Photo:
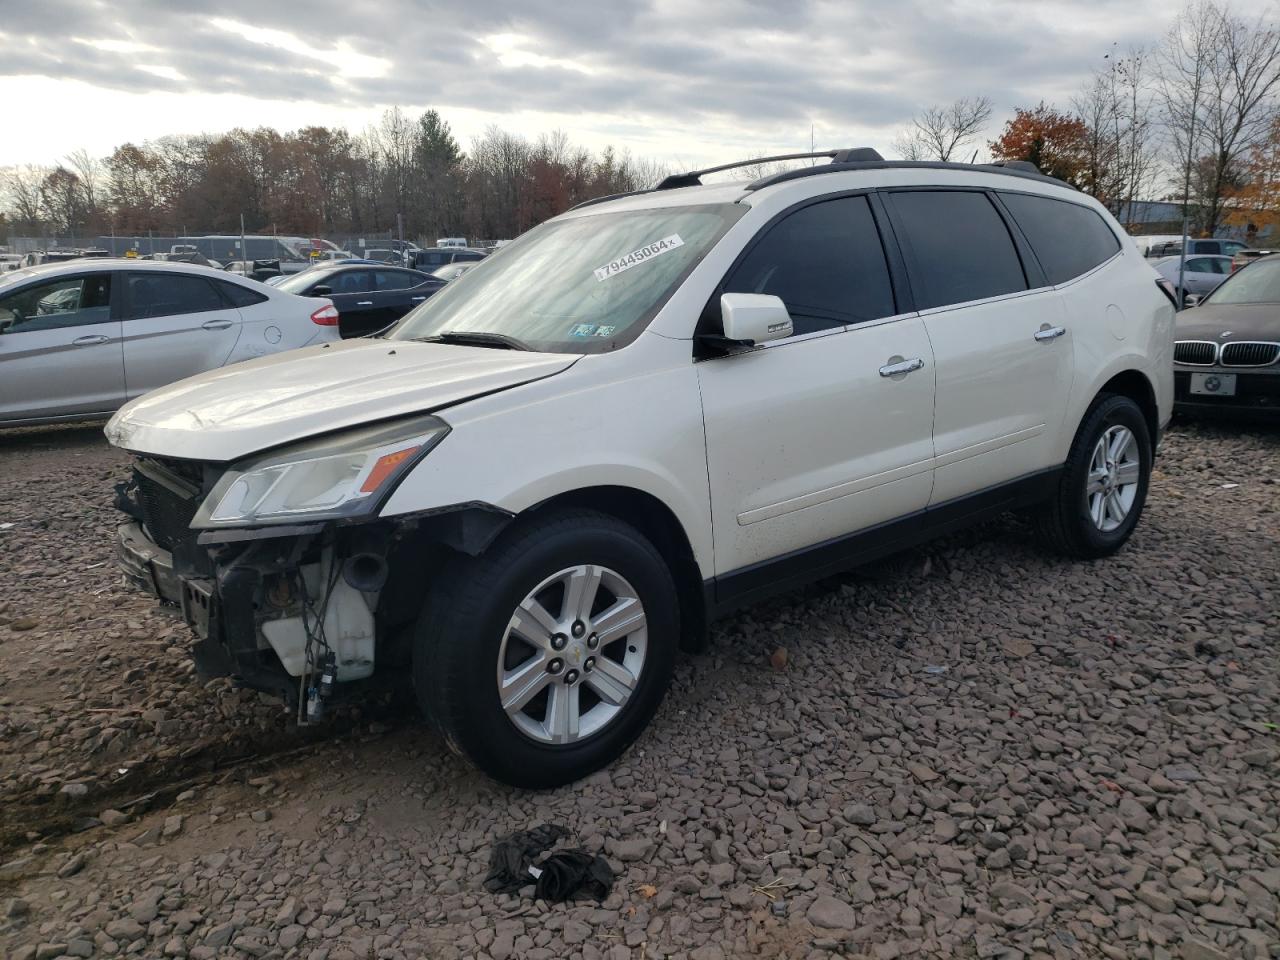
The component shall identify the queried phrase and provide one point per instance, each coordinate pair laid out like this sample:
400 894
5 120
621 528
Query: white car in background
79 339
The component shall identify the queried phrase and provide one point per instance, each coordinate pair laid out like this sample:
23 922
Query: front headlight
346 475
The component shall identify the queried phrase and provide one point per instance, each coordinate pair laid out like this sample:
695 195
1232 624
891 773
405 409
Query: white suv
639 415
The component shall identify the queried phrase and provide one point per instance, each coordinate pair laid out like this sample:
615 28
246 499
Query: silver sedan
78 339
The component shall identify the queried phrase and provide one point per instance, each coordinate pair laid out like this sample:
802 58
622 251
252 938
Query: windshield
1259 282
300 281
584 285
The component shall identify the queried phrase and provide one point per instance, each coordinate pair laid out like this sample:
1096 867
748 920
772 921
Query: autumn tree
1256 201
1056 143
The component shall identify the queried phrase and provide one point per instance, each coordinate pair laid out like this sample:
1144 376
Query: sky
684 83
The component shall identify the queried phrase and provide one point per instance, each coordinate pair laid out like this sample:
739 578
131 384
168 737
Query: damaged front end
297 608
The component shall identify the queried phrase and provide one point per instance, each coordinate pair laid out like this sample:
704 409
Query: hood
1222 324
229 413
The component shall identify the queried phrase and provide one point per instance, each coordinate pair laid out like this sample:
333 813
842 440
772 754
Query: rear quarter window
239 296
1068 239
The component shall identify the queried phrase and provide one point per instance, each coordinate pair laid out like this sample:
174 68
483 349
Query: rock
860 814
74 791
172 825
260 816
1193 949
113 818
126 929
219 936
828 913
1011 893
629 851
73 866
575 932
1088 836
1152 897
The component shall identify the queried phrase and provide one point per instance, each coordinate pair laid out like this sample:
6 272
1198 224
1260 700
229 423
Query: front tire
1104 482
543 659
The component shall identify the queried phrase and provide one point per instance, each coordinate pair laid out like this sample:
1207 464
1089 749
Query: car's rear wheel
1104 482
542 660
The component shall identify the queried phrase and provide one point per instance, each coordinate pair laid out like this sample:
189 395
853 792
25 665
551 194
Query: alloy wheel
572 654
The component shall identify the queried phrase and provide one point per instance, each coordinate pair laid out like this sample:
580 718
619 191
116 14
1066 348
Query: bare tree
1219 75
90 170
26 200
1115 106
936 133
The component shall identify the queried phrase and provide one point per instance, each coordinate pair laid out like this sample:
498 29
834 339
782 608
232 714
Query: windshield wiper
475 338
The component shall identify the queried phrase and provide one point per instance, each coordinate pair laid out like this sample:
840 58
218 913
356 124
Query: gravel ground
973 750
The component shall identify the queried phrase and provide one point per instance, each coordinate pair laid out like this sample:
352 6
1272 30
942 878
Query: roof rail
694 177
1010 168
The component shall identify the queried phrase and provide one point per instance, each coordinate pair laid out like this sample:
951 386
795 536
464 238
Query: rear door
1003 370
352 292
1201 275
399 291
175 326
60 348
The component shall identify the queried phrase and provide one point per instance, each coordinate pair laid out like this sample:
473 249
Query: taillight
1169 291
326 316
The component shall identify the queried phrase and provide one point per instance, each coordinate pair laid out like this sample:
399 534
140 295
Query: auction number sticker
637 257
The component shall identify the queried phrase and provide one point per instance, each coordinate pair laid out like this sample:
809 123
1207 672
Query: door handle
216 324
1047 333
89 340
364 303
897 367
416 299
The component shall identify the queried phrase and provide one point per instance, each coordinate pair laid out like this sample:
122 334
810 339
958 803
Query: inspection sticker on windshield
637 257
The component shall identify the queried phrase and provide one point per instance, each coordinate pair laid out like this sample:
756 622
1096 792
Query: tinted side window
240 296
1068 239
961 248
351 281
1200 265
826 263
395 280
166 294
66 302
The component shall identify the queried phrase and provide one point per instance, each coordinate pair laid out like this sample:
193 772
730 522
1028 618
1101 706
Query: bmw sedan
368 297
1227 355
79 339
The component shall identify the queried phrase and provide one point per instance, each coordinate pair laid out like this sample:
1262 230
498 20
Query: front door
816 437
60 349
175 326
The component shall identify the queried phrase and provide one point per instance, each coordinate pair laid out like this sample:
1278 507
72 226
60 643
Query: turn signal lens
385 466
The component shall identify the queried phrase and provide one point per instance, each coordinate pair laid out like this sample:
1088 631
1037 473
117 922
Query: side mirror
1191 300
754 318
323 290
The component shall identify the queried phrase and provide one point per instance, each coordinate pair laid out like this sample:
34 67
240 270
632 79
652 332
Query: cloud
766 69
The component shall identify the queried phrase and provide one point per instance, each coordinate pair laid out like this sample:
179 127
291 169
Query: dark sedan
369 298
1227 350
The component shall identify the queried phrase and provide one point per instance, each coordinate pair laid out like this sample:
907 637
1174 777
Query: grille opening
1249 354
1199 352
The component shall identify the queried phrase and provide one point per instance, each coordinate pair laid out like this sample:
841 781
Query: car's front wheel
543 659
1103 487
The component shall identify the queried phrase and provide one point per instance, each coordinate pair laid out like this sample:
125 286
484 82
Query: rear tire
1104 482
502 648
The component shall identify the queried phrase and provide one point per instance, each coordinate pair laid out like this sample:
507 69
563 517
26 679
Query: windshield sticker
604 331
636 257
582 330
